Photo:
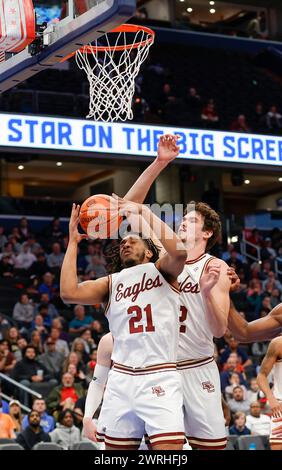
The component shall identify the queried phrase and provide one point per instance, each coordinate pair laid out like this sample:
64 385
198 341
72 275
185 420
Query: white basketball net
112 73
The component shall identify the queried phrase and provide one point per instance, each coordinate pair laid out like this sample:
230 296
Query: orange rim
123 28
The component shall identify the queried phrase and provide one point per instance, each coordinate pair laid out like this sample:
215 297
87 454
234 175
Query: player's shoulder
106 341
276 343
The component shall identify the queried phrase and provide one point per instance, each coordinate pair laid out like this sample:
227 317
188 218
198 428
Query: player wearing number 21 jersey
144 390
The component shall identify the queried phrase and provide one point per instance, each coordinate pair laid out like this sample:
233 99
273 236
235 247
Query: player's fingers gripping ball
99 217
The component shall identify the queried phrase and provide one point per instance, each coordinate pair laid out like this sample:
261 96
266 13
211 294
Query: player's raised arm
215 286
168 150
274 352
263 329
72 292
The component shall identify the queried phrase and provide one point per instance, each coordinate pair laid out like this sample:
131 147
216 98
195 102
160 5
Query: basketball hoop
112 68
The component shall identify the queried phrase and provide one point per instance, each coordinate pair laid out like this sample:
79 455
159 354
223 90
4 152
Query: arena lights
234 239
211 3
212 11
59 164
20 167
247 181
280 179
189 10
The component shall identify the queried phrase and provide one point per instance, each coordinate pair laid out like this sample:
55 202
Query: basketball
98 219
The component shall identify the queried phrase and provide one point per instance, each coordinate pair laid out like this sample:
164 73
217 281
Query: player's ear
208 234
149 254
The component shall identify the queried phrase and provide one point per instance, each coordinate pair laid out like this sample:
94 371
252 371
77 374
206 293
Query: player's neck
194 251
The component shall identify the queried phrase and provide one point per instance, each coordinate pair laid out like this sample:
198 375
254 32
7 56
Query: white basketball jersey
143 317
196 338
277 375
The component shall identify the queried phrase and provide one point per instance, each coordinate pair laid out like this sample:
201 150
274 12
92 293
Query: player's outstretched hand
168 149
234 278
276 410
210 278
74 235
89 429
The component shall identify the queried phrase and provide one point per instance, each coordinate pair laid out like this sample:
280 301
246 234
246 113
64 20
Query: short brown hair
211 220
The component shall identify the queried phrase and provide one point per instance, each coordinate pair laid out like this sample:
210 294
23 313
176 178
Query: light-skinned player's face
191 227
133 251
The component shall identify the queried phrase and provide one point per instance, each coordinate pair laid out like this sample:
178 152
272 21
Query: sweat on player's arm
263 329
215 285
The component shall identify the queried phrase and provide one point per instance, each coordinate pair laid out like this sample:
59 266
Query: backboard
62 27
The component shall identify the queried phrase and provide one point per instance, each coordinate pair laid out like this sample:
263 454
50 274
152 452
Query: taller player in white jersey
204 286
273 360
144 393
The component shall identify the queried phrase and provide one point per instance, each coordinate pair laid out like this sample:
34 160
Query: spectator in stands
8 251
47 422
91 363
194 105
36 342
49 286
38 325
234 380
268 252
29 372
258 119
254 298
16 246
7 358
265 307
78 375
21 345
88 341
39 267
53 360
65 395
16 415
75 359
275 297
24 259
256 239
209 116
45 301
253 392
6 267
233 347
12 336
34 246
259 349
98 331
55 259
54 232
3 238
66 433
23 312
60 344
273 120
231 250
78 346
239 427
258 423
81 321
271 277
24 229
6 426
33 433
78 419
230 367
58 323
4 326
240 124
234 261
237 402
97 267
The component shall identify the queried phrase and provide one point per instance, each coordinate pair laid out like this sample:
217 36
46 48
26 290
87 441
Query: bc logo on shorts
159 391
208 386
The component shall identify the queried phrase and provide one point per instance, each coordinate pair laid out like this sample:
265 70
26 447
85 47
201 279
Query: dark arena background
213 76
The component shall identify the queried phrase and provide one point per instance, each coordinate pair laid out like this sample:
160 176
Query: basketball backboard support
83 22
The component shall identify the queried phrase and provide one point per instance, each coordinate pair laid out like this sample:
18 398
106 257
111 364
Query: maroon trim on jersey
192 261
144 370
174 288
110 294
170 438
193 363
205 265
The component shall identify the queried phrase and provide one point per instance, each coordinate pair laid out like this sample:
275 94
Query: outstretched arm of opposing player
167 152
262 329
71 291
273 353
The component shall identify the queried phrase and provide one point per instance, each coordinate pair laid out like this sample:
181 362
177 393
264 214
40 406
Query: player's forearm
264 385
217 313
237 324
168 238
68 279
141 187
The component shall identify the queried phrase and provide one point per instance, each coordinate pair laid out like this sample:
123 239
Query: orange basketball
98 219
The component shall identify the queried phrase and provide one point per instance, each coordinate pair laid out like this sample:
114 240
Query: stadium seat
233 440
229 446
47 446
84 445
5 440
11 446
251 443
